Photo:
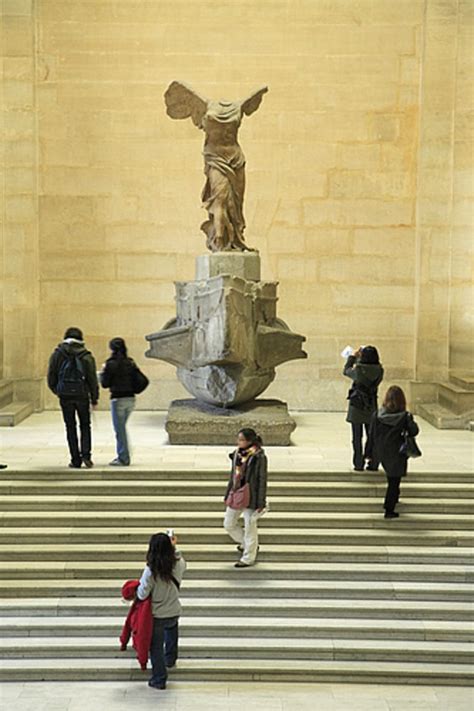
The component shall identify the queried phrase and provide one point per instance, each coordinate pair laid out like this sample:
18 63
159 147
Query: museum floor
36 451
188 696
321 442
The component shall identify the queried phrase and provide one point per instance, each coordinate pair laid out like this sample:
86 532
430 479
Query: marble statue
223 193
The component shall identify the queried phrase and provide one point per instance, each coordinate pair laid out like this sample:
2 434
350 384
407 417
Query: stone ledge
190 422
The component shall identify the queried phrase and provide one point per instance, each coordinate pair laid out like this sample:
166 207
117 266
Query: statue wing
183 102
253 102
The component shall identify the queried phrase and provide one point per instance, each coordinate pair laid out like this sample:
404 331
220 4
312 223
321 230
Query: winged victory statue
224 161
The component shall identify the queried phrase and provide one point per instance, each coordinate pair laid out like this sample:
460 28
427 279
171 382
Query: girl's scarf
241 460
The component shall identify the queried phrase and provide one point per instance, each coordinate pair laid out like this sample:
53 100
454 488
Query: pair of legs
164 649
122 408
247 537
392 494
358 453
81 409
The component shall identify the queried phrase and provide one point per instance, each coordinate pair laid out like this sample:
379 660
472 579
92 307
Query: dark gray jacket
69 347
255 475
363 393
386 436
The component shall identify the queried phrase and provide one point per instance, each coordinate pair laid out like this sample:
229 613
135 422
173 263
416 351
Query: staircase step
178 492
460 505
338 591
441 417
244 648
129 475
153 520
387 535
250 587
14 413
463 380
251 627
195 552
258 607
400 572
456 398
226 670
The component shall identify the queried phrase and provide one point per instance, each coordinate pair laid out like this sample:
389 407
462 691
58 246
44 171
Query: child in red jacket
139 623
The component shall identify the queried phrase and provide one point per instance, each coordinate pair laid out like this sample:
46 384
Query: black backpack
72 383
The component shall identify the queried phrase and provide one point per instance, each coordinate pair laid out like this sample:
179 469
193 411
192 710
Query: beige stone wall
19 219
347 173
461 334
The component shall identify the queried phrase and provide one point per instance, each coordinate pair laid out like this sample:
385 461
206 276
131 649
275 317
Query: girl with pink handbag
246 495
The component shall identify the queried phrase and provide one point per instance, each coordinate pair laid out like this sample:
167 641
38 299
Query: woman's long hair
118 347
369 356
395 400
161 556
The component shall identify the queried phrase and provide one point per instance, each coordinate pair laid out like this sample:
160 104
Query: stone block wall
20 313
357 174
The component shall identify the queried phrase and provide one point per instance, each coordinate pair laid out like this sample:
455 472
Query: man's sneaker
74 465
157 686
240 564
88 463
391 514
118 463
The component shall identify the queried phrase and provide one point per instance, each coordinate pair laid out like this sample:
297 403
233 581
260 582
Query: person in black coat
366 373
117 374
249 466
386 437
72 377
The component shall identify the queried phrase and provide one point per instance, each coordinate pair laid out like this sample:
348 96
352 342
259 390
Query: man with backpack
72 377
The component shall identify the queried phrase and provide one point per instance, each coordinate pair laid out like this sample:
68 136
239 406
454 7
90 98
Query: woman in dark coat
366 373
249 466
387 429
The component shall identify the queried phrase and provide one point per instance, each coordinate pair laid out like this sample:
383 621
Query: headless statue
224 161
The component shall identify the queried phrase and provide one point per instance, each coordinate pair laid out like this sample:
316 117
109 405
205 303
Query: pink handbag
240 498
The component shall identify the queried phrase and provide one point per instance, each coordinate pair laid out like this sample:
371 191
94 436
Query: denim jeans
122 408
164 647
70 409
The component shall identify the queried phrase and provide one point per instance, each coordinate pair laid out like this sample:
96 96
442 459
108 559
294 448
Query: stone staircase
12 411
451 405
339 593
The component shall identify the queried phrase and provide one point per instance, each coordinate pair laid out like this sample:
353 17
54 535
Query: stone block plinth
245 265
192 422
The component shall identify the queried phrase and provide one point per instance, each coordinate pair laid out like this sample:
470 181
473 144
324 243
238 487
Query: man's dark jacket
67 348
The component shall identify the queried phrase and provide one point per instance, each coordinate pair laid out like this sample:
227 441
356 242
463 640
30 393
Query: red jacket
139 623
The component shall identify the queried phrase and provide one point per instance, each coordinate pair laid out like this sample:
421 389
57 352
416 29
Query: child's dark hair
251 436
161 556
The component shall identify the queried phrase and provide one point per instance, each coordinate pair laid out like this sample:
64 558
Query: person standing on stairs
72 377
117 374
246 495
161 579
364 369
388 428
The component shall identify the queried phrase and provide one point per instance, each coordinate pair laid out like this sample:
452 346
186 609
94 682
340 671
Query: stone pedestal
192 422
245 265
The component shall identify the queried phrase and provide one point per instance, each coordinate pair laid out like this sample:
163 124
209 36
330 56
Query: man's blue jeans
122 408
164 647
